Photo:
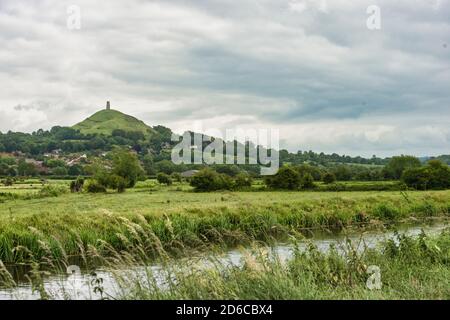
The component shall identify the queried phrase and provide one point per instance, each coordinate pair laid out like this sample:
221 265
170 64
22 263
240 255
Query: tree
60 171
166 166
285 178
148 165
396 165
328 178
126 165
342 173
26 169
75 170
307 181
435 175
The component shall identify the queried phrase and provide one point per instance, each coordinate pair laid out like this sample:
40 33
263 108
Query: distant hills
106 121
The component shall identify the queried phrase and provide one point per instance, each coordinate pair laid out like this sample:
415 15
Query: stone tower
108 105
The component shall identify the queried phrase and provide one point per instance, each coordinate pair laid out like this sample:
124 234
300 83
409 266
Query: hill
106 121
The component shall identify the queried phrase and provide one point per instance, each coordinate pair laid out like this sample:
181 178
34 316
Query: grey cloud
179 61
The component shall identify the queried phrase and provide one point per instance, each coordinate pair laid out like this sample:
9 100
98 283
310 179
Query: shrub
8 182
209 180
77 185
164 179
176 177
117 183
285 178
307 181
328 178
243 180
94 186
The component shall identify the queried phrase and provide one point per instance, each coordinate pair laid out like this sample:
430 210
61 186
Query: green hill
105 121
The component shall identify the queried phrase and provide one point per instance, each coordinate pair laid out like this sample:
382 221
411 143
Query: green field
70 224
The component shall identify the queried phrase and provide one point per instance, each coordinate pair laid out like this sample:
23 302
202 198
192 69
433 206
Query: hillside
105 121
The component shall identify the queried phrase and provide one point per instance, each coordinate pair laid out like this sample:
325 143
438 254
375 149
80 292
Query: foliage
164 179
328 178
243 180
286 178
209 180
127 166
396 165
307 181
77 185
52 191
435 175
176 177
94 186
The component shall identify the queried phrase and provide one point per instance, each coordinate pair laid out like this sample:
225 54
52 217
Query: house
77 160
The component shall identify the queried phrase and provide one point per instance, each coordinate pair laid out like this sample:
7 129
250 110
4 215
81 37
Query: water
80 286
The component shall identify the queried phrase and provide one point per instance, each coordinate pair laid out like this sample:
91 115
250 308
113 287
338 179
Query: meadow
175 218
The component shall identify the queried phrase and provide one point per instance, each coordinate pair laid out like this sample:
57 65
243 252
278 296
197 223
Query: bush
77 185
307 181
164 179
93 186
328 178
8 182
285 178
243 180
117 183
176 177
209 180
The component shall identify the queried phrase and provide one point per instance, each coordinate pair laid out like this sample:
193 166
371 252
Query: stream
80 285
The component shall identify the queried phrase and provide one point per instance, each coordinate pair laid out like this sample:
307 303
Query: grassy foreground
409 269
174 220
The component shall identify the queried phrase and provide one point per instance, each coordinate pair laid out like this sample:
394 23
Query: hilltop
106 121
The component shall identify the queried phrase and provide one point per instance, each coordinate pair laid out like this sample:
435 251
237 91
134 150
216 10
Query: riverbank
410 263
171 221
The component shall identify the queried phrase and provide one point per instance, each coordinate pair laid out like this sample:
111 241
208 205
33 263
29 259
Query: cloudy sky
311 68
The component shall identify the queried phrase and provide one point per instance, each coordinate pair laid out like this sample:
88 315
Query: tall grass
21 236
410 268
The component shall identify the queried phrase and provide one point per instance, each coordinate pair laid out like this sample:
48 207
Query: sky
331 76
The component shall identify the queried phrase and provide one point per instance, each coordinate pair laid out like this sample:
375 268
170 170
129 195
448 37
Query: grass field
177 217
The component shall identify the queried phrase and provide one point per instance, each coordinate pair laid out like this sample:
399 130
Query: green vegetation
435 175
73 222
397 165
106 121
164 178
410 268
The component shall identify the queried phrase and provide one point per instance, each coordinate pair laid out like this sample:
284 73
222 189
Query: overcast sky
311 68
